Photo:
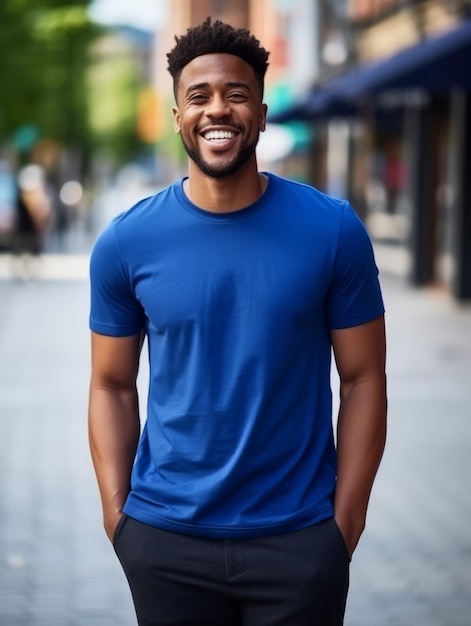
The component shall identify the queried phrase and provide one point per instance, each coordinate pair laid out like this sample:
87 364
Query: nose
218 107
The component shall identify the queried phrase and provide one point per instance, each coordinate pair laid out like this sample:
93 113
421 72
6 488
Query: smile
219 135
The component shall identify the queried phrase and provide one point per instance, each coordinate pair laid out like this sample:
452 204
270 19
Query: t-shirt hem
229 532
358 319
113 331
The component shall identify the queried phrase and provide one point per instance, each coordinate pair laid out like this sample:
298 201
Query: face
219 113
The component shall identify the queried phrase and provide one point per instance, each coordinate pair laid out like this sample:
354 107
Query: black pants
296 579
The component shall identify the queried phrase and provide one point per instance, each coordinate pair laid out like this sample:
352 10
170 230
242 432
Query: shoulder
127 227
145 209
302 194
318 214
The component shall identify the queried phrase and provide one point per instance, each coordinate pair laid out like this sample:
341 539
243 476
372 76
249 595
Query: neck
224 195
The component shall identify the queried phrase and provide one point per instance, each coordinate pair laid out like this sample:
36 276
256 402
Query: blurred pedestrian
234 506
8 194
33 216
394 177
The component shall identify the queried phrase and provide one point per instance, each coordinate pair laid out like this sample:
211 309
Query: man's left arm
360 355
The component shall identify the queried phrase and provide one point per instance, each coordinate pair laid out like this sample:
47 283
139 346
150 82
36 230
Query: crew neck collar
232 216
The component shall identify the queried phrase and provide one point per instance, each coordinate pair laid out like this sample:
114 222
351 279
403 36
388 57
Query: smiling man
235 506
219 115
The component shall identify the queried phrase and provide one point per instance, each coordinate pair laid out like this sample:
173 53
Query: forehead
216 69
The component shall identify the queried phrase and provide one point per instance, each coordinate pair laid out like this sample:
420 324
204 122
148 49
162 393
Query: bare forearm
361 436
113 434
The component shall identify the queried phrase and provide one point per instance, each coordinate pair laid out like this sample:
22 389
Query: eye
197 97
237 96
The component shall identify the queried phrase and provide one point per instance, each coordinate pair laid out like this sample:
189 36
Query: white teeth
219 134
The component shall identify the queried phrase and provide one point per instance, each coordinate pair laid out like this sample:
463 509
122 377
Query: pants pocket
342 540
119 528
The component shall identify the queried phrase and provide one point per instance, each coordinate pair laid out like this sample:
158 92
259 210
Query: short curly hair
217 37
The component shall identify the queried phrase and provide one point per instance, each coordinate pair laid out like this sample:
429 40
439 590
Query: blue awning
435 65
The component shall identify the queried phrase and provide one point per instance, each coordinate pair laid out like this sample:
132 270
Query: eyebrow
230 84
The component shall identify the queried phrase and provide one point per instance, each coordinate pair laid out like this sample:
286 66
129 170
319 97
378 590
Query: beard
222 169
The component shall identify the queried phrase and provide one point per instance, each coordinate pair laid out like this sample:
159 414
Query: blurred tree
43 63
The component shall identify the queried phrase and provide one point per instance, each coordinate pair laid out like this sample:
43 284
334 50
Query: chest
233 273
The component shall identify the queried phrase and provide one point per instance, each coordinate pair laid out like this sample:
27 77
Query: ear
176 120
262 117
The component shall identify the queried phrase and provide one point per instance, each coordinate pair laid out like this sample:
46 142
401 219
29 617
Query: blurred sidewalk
49 266
56 566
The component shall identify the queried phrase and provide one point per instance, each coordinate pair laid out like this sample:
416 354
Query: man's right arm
113 419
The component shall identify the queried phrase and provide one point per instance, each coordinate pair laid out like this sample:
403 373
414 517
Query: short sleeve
114 308
354 295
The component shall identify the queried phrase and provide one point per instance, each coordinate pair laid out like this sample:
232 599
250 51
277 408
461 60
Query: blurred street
56 566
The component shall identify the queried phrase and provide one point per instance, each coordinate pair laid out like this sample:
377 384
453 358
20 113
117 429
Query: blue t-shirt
237 308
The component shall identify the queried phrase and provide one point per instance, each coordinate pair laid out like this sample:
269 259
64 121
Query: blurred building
390 110
120 93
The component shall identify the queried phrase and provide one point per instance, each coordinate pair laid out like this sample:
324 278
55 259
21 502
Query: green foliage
43 62
59 82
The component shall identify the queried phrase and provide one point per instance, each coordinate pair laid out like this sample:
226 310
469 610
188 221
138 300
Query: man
237 508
